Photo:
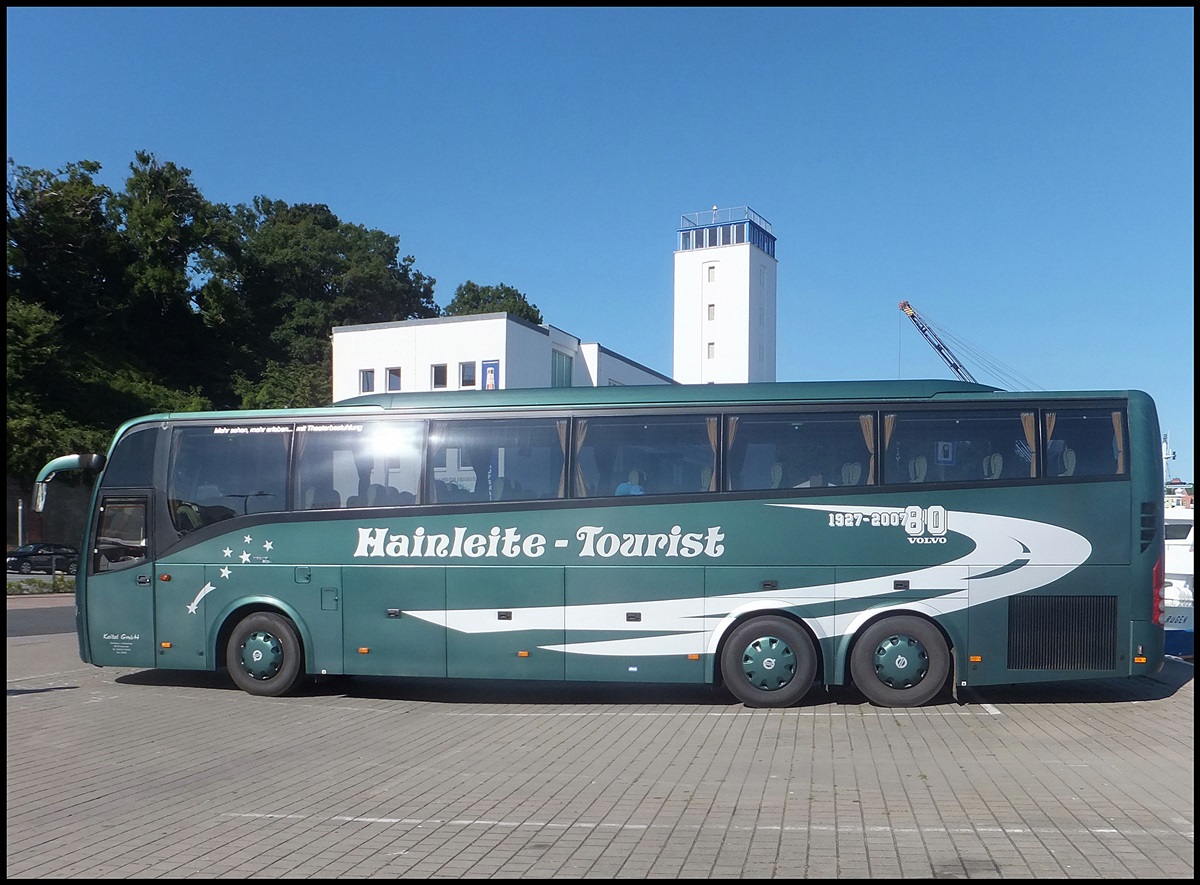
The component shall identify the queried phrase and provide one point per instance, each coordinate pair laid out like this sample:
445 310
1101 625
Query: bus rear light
1158 614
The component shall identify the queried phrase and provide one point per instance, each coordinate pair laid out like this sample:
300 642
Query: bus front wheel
264 655
900 662
768 662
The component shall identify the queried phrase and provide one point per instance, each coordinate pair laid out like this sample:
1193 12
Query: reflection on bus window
520 459
359 464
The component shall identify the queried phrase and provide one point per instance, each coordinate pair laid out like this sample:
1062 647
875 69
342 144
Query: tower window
712 350
712 273
712 311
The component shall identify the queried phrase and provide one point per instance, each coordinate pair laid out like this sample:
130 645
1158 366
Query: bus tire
768 661
264 655
900 661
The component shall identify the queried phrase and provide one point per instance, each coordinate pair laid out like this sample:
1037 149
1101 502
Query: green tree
471 298
152 299
81 341
303 271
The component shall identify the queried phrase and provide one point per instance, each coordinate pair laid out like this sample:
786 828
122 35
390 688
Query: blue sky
1024 177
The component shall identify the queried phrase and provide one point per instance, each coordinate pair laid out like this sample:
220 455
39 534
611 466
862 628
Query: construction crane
943 351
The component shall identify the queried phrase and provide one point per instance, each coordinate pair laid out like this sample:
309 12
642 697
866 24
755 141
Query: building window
466 374
393 380
439 376
712 273
685 240
366 380
712 350
561 369
712 311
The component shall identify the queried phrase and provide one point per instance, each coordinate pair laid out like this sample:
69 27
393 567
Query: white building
725 280
472 353
724 330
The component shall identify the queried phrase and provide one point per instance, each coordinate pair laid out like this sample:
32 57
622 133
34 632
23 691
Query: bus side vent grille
1062 632
1149 520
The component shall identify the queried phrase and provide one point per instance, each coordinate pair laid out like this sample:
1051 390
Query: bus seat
917 468
391 495
322 498
993 465
776 475
706 479
376 495
851 473
1068 462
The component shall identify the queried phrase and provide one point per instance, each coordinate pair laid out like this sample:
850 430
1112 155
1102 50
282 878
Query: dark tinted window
800 450
645 455
958 446
1085 442
132 461
219 472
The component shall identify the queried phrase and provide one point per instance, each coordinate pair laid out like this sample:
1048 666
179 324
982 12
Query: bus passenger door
118 606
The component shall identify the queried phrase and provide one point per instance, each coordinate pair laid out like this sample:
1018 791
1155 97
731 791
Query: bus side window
517 459
650 455
1095 439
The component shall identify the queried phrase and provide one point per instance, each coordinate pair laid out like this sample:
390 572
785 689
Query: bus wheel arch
263 651
901 659
768 659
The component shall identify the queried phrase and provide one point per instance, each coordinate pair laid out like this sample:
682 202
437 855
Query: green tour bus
903 537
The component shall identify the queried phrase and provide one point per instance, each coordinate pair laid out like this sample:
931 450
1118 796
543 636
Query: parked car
47 558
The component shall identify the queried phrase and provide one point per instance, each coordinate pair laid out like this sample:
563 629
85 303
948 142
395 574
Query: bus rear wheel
264 655
768 662
900 661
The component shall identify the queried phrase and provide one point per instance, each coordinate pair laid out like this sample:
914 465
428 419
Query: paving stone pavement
125 773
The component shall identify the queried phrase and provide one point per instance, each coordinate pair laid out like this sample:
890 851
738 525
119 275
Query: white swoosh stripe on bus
1046 552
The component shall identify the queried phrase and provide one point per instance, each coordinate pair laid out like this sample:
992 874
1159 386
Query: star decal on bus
226 572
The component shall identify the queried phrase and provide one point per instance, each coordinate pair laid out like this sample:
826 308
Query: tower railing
709 217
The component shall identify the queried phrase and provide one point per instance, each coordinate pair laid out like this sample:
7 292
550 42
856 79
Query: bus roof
716 395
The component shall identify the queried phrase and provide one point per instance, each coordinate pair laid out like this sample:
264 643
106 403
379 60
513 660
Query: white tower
725 276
